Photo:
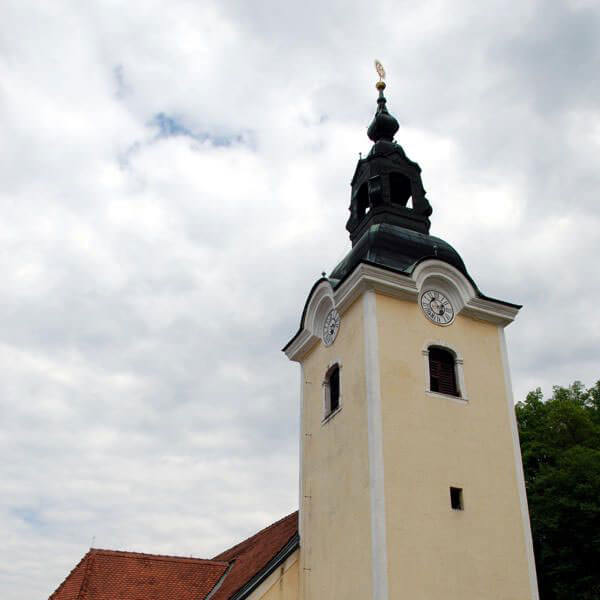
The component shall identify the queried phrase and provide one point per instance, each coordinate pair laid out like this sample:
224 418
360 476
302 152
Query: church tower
411 484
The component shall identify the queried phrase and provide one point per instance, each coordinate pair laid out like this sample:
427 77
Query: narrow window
456 498
442 372
332 390
400 189
362 204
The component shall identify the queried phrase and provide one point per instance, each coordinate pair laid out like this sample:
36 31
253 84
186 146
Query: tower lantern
387 186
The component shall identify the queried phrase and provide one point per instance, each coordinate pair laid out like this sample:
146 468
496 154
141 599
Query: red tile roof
115 575
252 555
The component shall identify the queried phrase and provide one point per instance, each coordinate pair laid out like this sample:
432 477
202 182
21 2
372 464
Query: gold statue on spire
380 85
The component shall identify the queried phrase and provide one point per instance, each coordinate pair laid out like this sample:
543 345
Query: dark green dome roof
397 248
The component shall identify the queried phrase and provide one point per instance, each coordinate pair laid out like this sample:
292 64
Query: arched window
400 189
442 371
362 204
332 390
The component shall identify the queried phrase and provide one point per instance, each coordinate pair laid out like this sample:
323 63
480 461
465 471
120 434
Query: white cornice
301 344
488 310
366 277
431 273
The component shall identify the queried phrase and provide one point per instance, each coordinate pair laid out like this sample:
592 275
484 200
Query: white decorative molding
301 457
375 445
320 303
366 277
488 310
448 398
518 467
300 345
438 275
458 369
429 274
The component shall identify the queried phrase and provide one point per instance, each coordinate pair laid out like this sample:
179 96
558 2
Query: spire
383 126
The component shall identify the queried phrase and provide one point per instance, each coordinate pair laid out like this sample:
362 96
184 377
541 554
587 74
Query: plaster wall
432 442
335 534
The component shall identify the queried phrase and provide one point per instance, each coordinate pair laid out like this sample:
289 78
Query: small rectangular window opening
456 498
334 389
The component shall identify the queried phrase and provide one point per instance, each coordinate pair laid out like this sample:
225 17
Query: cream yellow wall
282 584
430 443
335 510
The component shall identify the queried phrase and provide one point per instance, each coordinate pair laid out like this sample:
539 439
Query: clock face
331 327
437 307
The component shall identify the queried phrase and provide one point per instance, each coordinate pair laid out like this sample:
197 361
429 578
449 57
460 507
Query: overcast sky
174 177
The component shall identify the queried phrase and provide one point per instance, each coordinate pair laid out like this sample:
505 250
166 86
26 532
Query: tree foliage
560 444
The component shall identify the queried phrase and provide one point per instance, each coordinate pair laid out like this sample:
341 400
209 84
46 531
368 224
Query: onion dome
384 126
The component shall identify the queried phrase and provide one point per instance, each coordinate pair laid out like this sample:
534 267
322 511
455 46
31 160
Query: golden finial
380 85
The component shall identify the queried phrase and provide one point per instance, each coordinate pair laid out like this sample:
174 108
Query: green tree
560 443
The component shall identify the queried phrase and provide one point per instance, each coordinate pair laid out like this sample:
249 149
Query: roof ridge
55 592
163 557
255 535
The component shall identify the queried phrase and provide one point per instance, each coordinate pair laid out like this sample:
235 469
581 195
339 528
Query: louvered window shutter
442 374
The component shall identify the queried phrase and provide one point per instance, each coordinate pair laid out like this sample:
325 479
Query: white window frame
327 413
458 371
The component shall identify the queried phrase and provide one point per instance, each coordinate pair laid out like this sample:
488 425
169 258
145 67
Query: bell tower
411 484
